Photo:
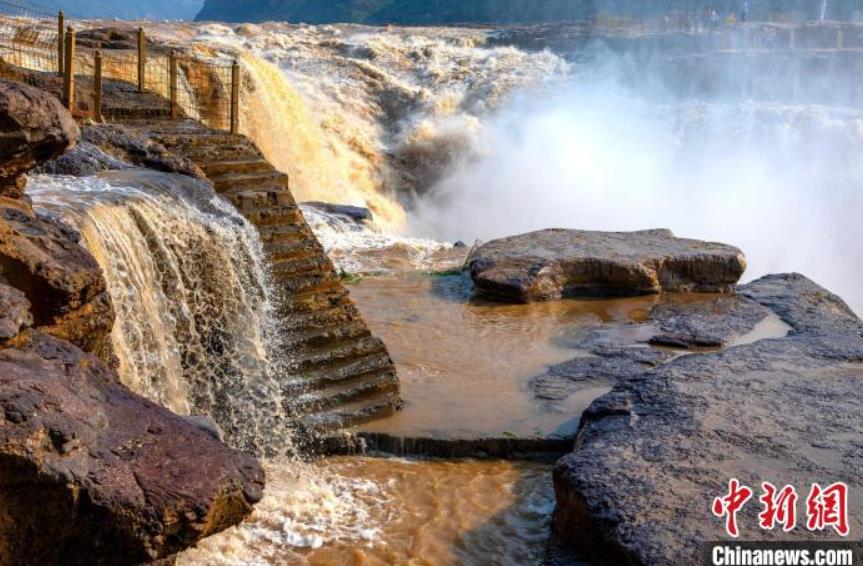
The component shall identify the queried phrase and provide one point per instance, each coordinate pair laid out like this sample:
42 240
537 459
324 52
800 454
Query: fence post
61 42
69 70
840 38
174 101
142 59
97 87
235 97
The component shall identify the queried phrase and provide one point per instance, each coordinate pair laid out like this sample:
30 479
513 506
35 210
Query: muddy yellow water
465 364
362 511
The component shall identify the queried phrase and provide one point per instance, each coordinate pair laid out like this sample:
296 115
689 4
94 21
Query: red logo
828 507
729 505
825 507
779 507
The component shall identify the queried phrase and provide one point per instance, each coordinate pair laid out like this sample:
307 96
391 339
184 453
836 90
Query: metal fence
113 72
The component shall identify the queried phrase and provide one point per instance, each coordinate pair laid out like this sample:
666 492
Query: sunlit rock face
553 264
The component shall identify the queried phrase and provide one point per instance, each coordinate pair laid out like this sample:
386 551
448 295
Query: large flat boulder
552 264
91 473
34 127
41 257
652 455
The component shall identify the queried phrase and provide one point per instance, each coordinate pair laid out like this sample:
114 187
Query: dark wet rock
91 473
606 337
803 304
34 127
552 264
510 448
14 312
208 425
459 244
135 147
651 455
356 214
609 367
41 257
84 160
704 324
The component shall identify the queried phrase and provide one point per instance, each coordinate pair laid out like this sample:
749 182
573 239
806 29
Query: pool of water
464 363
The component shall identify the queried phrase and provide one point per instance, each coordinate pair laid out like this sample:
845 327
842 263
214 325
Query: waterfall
196 329
372 116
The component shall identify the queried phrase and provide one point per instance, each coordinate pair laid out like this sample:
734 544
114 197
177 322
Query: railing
116 72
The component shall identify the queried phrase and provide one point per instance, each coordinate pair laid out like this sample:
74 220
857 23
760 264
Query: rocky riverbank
89 472
757 383
651 455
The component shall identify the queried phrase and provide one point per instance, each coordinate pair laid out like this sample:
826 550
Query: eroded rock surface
652 454
41 257
113 147
552 264
704 324
14 312
34 127
93 474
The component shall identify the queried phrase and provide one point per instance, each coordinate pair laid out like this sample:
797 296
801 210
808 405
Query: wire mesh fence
114 72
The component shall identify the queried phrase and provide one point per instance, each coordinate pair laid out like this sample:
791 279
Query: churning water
446 135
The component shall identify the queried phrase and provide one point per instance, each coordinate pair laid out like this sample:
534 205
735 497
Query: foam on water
357 247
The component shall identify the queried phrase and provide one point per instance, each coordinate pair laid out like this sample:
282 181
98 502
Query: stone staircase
340 374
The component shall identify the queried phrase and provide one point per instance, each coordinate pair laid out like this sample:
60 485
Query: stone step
371 386
273 233
330 294
132 113
214 169
352 414
335 355
280 214
250 202
288 248
317 283
339 375
341 312
296 252
235 181
321 336
298 266
202 154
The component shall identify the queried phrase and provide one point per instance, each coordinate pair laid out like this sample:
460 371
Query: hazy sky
156 9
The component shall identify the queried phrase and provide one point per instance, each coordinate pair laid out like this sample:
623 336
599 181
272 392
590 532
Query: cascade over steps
340 374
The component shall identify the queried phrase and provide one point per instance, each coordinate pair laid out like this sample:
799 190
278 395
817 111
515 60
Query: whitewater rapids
447 137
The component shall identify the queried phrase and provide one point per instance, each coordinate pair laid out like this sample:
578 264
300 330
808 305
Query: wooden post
61 42
840 38
792 43
174 102
142 60
97 87
69 70
235 97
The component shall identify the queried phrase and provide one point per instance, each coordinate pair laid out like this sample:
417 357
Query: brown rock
41 258
14 312
552 264
93 474
34 127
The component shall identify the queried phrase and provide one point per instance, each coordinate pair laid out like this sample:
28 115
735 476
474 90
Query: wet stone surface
668 437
